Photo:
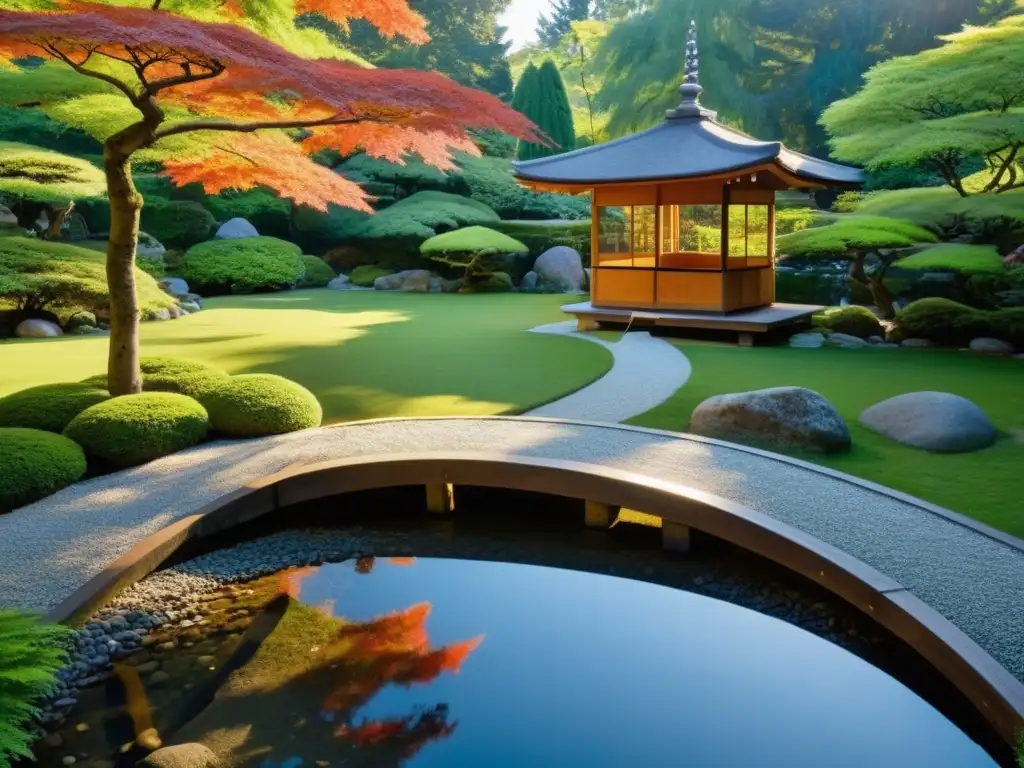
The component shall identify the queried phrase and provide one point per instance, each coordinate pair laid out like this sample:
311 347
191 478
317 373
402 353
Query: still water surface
533 666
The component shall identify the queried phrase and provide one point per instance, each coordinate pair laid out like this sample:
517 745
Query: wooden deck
747 323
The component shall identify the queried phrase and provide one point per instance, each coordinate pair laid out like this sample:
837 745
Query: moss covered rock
34 464
317 273
365 276
258 404
940 320
852 320
242 264
49 407
133 429
168 374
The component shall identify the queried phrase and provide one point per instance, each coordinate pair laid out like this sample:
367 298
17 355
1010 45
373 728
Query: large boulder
181 756
176 287
149 248
991 346
777 418
530 281
7 218
34 328
233 229
807 340
932 421
414 280
561 268
340 283
845 341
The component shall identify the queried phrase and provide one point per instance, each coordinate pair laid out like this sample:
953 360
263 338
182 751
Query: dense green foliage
366 275
133 429
36 274
316 272
34 464
551 29
32 651
472 240
270 214
425 214
956 257
941 107
41 175
49 407
166 374
397 180
489 180
317 232
541 96
539 236
177 223
943 211
242 264
852 235
852 320
948 322
258 404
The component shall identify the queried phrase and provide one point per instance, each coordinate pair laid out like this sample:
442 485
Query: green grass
958 257
987 485
363 354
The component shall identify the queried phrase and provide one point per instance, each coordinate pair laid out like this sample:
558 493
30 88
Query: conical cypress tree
541 96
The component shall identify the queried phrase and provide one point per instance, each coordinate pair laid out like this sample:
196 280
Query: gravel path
646 372
50 548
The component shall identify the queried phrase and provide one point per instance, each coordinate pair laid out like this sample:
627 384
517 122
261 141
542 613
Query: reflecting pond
435 662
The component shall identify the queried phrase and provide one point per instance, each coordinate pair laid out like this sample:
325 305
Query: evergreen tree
563 14
541 96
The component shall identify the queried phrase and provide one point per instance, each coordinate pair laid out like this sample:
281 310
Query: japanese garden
418 382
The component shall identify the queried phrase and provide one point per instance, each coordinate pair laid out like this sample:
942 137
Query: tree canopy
550 30
941 107
541 96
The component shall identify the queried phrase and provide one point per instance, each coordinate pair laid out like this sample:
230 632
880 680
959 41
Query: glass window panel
644 235
737 231
614 239
757 231
700 228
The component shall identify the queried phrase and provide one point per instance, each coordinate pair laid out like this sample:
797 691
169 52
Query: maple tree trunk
123 374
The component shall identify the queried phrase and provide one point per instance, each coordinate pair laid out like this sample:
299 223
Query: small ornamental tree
213 87
473 249
856 239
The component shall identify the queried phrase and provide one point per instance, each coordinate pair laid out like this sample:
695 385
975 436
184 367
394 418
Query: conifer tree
563 13
541 96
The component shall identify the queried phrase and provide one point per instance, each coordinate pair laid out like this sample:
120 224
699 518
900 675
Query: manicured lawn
987 485
363 354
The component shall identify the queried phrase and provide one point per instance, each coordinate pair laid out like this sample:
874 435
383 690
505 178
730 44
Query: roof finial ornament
690 90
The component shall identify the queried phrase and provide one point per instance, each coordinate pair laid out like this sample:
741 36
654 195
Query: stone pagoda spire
690 90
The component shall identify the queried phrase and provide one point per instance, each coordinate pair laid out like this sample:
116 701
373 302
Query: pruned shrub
252 405
490 180
940 320
317 273
495 282
479 252
242 264
539 236
34 464
61 278
365 276
852 320
133 429
49 407
169 374
32 651
261 207
176 223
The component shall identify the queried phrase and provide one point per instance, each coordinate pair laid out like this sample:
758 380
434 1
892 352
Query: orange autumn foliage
390 17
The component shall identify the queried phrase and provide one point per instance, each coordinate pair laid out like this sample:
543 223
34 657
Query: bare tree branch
227 125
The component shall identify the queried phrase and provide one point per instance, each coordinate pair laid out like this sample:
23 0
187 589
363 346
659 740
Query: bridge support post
597 515
675 537
440 500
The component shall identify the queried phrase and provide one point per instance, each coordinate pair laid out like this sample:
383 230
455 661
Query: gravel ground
647 371
50 548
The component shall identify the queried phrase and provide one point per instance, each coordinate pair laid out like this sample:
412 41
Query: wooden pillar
771 243
597 515
440 500
675 537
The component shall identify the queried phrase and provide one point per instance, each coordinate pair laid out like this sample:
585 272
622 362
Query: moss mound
941 320
168 374
34 464
133 429
49 407
852 320
365 276
242 264
317 273
258 404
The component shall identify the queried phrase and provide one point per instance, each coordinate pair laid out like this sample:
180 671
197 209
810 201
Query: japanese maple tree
236 77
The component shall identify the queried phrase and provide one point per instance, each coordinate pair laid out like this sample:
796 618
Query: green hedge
133 429
948 322
177 223
852 320
34 464
49 407
242 264
168 374
539 236
259 404
316 272
270 214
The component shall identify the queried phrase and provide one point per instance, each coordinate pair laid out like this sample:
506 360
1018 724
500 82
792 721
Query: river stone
340 283
413 280
991 346
236 228
916 343
149 248
189 307
7 218
932 421
529 281
175 286
163 313
845 341
777 418
807 340
181 756
561 267
34 328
